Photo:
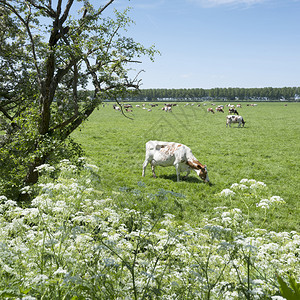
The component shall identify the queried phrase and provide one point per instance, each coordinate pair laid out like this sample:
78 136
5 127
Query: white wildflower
258 281
244 180
65 161
236 211
242 187
91 167
220 208
26 190
39 278
60 271
10 203
238 186
227 192
81 159
257 185
45 167
276 199
3 198
7 268
264 203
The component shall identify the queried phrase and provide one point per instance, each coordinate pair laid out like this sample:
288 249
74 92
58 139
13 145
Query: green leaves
291 292
48 54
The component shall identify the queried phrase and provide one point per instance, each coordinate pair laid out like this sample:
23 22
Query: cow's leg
177 172
187 174
153 171
144 166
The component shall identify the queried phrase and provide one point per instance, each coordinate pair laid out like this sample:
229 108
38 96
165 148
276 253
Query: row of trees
267 93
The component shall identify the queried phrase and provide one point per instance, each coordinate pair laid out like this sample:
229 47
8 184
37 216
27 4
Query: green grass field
266 150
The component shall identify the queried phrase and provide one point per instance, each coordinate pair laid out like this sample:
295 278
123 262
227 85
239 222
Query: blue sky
218 43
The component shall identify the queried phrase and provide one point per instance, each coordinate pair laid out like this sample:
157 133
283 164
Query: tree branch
48 9
66 12
26 24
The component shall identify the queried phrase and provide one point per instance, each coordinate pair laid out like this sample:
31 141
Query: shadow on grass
188 179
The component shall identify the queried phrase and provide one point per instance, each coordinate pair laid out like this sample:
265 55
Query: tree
48 54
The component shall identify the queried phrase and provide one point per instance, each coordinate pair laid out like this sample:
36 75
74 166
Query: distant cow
127 106
220 109
167 108
210 110
235 119
115 107
166 154
233 111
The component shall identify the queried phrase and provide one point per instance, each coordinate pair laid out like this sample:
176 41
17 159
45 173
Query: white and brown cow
210 110
235 119
167 154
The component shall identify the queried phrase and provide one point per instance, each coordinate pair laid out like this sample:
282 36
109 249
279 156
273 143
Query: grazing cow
167 108
166 154
210 110
233 111
220 109
235 119
116 107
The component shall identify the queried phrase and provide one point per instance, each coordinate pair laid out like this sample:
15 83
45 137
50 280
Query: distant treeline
258 94
217 94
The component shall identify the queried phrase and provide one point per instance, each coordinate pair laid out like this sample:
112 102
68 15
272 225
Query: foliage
290 293
73 243
232 94
49 52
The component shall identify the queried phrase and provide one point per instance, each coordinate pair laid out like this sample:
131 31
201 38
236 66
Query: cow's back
164 153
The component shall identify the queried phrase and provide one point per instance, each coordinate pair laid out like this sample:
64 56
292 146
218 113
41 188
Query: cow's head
200 169
202 173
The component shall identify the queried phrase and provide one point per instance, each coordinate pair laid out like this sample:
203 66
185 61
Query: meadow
266 149
97 229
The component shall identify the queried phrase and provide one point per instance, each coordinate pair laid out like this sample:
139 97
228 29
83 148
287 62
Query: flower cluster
70 244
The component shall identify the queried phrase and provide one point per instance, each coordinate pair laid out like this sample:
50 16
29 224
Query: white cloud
213 3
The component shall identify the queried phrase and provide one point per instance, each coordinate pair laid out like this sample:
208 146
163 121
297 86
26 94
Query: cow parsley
227 192
257 185
264 203
276 199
